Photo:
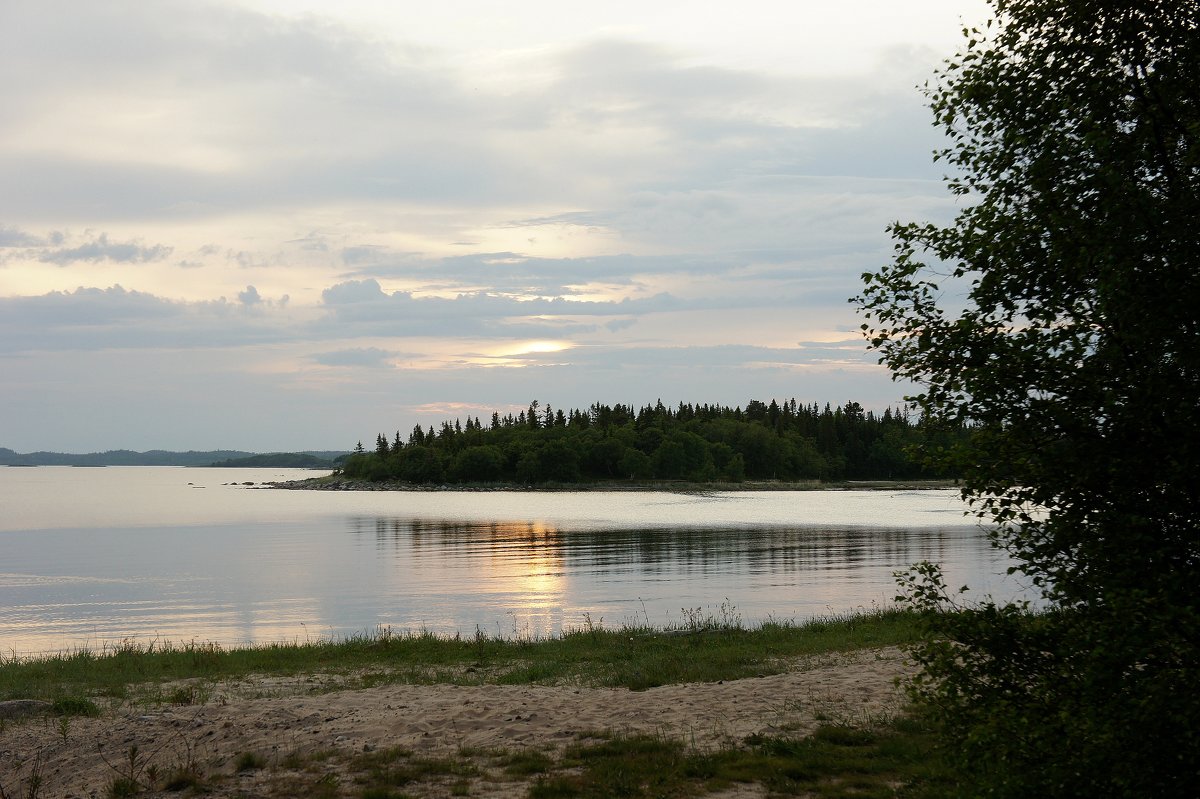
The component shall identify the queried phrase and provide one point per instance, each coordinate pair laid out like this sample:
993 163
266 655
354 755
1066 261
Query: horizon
366 440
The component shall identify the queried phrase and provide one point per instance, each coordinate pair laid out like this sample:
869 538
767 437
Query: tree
602 456
1059 316
478 464
705 439
558 462
636 465
734 469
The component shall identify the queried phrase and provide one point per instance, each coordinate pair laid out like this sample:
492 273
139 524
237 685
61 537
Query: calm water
92 556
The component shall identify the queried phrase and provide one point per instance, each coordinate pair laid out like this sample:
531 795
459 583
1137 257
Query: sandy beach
309 724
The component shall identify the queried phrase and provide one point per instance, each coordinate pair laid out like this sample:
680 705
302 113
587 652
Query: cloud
524 275
632 198
101 249
365 301
353 291
358 356
300 112
85 307
88 319
791 271
847 354
11 237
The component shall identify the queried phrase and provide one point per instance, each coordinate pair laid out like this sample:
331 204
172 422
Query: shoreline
267 737
460 716
336 482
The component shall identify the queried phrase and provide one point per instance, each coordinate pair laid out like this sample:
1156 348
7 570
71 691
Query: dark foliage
280 460
1059 315
697 443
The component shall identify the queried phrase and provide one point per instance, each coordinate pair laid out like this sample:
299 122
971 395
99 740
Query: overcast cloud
276 225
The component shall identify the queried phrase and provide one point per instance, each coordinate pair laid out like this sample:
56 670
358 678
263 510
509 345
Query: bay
90 557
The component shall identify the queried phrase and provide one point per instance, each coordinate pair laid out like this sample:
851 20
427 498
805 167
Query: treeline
697 443
280 460
158 457
117 457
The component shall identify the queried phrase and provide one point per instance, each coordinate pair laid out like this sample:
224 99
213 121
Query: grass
704 650
526 762
389 769
66 706
836 761
845 757
897 759
249 761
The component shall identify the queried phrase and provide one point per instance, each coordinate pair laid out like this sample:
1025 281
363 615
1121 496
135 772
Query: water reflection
686 550
244 566
546 578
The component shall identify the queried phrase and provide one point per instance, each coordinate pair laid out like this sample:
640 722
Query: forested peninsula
776 441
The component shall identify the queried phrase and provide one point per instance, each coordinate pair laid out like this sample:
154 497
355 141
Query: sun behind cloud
534 347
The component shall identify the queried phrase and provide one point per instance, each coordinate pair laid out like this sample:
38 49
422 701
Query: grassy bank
705 650
846 756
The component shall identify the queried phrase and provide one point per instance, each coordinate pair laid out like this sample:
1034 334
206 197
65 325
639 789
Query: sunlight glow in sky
284 224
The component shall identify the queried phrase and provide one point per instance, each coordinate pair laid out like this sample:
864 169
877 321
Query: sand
277 717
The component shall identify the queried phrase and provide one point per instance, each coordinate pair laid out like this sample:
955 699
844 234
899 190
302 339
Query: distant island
775 441
312 459
285 460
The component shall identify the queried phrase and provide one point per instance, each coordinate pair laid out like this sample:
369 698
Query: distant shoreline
220 458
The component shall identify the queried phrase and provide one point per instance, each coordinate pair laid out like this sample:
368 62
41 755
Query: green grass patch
249 761
307 761
384 772
896 759
526 763
74 706
705 650
836 762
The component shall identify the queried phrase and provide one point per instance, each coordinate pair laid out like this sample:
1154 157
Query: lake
93 556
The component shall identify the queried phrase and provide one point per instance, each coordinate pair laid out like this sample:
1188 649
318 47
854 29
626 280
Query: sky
276 225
